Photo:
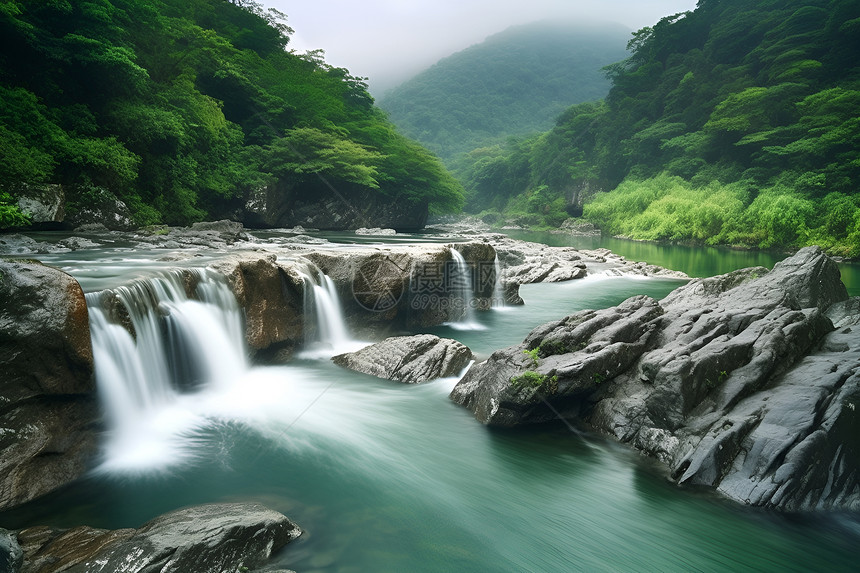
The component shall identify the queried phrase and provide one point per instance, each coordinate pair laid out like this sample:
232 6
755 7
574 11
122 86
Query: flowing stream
390 477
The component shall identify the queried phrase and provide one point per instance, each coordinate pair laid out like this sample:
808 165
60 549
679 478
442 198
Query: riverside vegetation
183 109
734 124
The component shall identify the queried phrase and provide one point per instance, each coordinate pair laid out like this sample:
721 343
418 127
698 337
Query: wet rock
409 359
47 405
375 231
16 244
200 539
272 298
11 555
738 382
44 333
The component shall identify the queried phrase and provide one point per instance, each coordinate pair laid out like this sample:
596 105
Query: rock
523 262
98 206
375 231
845 313
47 405
91 228
737 382
200 539
45 204
16 244
577 227
227 229
78 243
272 298
283 206
11 555
44 333
409 359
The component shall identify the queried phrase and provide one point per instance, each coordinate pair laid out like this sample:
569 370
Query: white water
180 345
498 292
461 283
322 301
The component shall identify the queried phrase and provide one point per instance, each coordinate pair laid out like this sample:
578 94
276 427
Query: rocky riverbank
747 382
201 539
49 412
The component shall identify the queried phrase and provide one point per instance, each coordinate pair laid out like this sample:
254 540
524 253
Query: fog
391 40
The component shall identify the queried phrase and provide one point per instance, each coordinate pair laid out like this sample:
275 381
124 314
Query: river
395 478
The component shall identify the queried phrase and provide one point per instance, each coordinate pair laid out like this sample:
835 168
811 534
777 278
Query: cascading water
460 282
322 301
180 344
498 291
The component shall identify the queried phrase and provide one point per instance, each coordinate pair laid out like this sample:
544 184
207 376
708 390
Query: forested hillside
514 83
181 108
736 123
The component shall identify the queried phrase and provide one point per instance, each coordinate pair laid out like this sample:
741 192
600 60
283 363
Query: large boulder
737 382
272 298
200 539
97 206
45 204
47 404
409 359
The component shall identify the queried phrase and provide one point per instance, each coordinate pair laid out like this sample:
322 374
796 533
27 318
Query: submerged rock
409 359
738 382
47 403
200 539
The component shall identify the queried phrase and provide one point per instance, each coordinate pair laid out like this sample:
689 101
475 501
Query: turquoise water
394 478
695 261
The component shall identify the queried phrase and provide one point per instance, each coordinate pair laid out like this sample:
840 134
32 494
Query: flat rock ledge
739 382
409 359
202 539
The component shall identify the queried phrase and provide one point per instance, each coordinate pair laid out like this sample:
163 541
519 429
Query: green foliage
533 354
514 83
10 214
536 381
735 123
181 108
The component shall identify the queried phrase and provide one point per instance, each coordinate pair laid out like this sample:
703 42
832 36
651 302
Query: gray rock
200 539
738 382
375 231
11 554
16 244
409 359
45 204
577 227
47 405
106 209
283 206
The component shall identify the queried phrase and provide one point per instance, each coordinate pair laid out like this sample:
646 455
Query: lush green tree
182 107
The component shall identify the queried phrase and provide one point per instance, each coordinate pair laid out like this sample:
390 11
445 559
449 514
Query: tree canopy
750 105
182 107
514 83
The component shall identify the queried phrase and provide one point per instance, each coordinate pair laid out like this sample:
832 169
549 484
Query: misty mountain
514 83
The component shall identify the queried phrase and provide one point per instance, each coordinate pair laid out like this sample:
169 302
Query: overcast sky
390 40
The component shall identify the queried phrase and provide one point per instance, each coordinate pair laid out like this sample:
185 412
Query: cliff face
739 382
282 206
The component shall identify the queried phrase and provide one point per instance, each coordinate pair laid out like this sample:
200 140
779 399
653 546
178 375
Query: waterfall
460 283
498 291
323 302
179 345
